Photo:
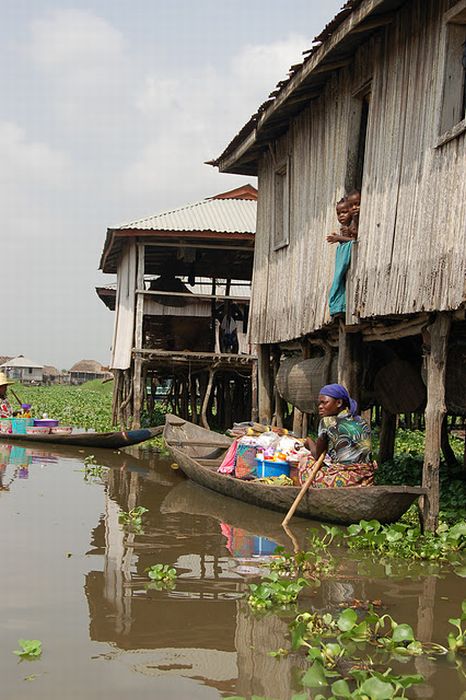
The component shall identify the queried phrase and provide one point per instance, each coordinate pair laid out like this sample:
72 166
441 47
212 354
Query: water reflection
16 460
201 636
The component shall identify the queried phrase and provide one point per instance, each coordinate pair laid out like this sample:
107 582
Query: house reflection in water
202 629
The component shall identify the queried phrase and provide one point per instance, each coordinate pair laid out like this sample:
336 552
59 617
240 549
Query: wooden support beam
350 361
141 292
264 384
387 436
254 393
137 375
374 23
436 347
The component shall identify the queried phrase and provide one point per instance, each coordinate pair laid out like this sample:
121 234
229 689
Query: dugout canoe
112 441
198 453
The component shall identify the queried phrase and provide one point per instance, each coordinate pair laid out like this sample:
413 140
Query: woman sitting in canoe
345 437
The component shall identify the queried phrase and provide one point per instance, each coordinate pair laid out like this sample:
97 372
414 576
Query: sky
108 111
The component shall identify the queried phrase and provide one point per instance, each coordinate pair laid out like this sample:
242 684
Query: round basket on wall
298 381
399 387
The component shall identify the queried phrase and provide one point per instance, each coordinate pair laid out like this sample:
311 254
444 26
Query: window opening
281 226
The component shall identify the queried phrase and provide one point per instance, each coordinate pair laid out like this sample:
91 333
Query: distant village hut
377 105
181 309
23 370
86 371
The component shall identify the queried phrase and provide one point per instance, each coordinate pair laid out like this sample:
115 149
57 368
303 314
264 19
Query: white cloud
74 38
24 162
191 117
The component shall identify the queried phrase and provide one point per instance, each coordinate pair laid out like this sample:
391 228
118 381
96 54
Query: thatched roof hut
85 371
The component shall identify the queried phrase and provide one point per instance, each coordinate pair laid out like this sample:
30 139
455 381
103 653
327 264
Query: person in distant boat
5 408
346 439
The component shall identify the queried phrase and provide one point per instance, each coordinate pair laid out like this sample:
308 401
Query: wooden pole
264 384
350 361
436 344
303 490
387 436
206 399
447 451
254 395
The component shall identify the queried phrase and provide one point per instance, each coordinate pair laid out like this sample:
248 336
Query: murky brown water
73 579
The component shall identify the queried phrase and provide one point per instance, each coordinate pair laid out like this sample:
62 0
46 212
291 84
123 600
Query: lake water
71 577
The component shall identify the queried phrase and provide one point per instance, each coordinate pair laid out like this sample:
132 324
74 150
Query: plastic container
46 422
19 425
62 430
269 468
263 547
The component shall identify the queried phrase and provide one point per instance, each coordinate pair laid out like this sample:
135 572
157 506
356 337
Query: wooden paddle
304 488
16 397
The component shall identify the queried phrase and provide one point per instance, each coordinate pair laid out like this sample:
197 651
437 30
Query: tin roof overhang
348 30
218 254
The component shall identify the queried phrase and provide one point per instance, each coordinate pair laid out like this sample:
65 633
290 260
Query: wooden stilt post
137 392
387 436
350 361
205 402
254 395
447 451
264 384
436 344
137 376
297 422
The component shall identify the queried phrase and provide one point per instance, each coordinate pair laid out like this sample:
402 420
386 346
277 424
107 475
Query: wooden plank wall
412 240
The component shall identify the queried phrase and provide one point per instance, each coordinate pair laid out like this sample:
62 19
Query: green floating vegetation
274 592
404 539
162 576
132 519
87 406
29 648
457 642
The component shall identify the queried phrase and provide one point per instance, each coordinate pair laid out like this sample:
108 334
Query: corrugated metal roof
21 361
217 215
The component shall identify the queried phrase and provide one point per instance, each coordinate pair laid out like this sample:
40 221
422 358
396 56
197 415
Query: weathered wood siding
412 238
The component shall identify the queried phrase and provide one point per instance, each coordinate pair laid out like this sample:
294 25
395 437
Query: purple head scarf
337 391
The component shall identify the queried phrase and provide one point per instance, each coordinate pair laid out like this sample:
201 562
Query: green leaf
347 620
408 681
377 689
29 648
403 633
314 676
341 689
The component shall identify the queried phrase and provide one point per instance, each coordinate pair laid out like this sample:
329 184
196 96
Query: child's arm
338 238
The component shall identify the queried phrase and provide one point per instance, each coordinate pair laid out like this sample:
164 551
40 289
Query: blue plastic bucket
269 468
263 547
18 425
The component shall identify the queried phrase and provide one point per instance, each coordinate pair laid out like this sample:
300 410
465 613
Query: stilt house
181 309
378 104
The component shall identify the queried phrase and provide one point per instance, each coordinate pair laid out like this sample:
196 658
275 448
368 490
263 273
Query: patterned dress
5 408
349 459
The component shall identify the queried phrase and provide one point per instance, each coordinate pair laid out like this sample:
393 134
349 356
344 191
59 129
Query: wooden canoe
113 441
198 452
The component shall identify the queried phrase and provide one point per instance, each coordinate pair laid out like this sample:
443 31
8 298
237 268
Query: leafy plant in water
457 642
312 563
407 541
30 648
274 591
133 518
161 576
